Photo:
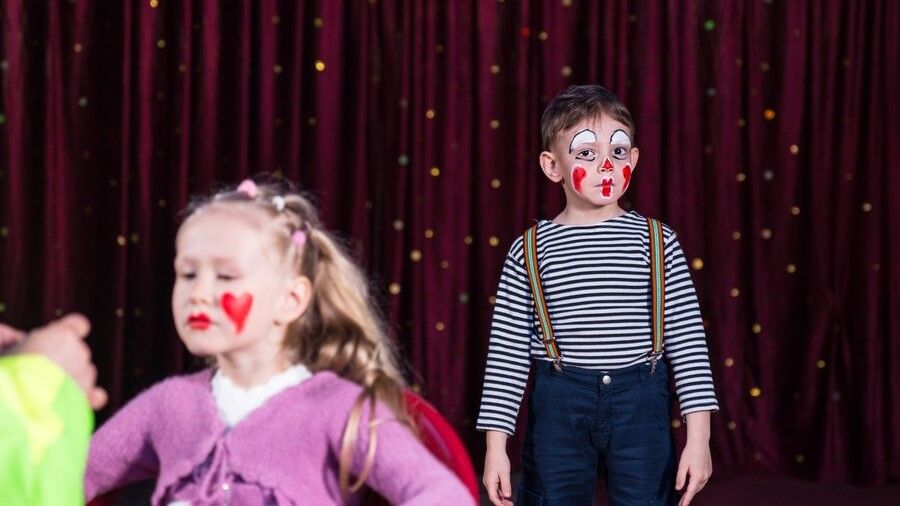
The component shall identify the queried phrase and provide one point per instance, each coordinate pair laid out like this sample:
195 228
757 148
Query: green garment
45 427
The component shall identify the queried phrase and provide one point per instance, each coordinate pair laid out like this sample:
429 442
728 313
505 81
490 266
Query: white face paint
582 137
619 137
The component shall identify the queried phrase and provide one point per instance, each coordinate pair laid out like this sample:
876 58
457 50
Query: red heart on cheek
237 308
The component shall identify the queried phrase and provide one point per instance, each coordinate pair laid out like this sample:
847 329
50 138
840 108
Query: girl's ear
551 167
295 301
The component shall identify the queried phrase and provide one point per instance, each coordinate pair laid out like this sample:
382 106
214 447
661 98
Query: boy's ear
634 157
296 301
551 167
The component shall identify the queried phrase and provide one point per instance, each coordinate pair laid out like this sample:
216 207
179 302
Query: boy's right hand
496 470
62 341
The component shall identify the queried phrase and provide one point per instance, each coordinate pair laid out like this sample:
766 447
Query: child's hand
62 341
496 470
9 336
696 462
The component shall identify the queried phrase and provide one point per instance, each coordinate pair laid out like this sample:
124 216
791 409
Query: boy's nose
607 165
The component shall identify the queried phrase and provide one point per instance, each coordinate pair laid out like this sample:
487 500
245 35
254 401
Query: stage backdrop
769 140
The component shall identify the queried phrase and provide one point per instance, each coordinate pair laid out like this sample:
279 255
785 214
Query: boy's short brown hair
578 103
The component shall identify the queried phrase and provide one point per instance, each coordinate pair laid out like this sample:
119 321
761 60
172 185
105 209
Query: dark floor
775 491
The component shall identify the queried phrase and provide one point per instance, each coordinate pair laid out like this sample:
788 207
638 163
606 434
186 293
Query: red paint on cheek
237 307
607 164
626 172
578 175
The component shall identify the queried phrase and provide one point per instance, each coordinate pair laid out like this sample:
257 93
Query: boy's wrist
496 441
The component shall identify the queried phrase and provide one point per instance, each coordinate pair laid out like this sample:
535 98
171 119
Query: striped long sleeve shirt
596 281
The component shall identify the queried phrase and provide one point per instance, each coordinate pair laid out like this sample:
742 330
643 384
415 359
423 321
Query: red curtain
769 140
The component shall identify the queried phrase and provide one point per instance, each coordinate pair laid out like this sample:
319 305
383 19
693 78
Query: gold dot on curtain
848 176
468 239
154 4
676 423
464 298
394 288
757 456
741 123
439 48
58 312
847 61
755 392
800 458
120 240
791 268
312 121
795 149
769 114
736 235
120 312
495 183
495 124
320 65
632 18
543 36
279 122
495 69
493 241
768 175
729 362
4 231
795 210
445 264
77 47
403 160
82 102
757 328
161 43
439 326
429 233
764 66
732 425
866 207
181 68
277 68
820 364
137 312
135 238
492 300
2 307
435 171
766 233
276 19
415 255
566 3
398 225
741 177
876 266
566 71
430 114
317 22
735 292
697 264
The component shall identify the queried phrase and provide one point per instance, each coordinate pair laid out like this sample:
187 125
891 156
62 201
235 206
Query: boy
576 299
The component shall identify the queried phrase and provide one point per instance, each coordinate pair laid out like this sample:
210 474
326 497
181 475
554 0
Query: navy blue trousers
580 417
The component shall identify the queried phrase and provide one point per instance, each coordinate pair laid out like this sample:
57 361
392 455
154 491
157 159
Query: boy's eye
585 154
620 153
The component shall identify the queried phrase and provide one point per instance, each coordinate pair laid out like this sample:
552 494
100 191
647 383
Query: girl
288 412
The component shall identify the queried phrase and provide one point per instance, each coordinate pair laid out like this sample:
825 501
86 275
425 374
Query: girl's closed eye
226 276
187 274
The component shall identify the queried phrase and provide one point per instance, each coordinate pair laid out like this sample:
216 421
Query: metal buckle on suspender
654 358
558 364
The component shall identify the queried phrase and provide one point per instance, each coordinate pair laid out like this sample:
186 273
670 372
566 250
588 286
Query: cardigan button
606 379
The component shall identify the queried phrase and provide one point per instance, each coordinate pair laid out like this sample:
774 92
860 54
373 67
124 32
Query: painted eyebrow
586 133
613 138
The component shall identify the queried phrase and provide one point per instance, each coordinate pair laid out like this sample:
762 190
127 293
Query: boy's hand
696 460
9 336
496 470
62 341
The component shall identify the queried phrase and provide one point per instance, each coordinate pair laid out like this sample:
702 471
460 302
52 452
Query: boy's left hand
696 463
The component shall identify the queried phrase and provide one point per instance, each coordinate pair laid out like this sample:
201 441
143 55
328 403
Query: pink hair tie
249 188
299 238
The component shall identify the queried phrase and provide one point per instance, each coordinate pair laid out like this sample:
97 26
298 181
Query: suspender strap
657 285
537 294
